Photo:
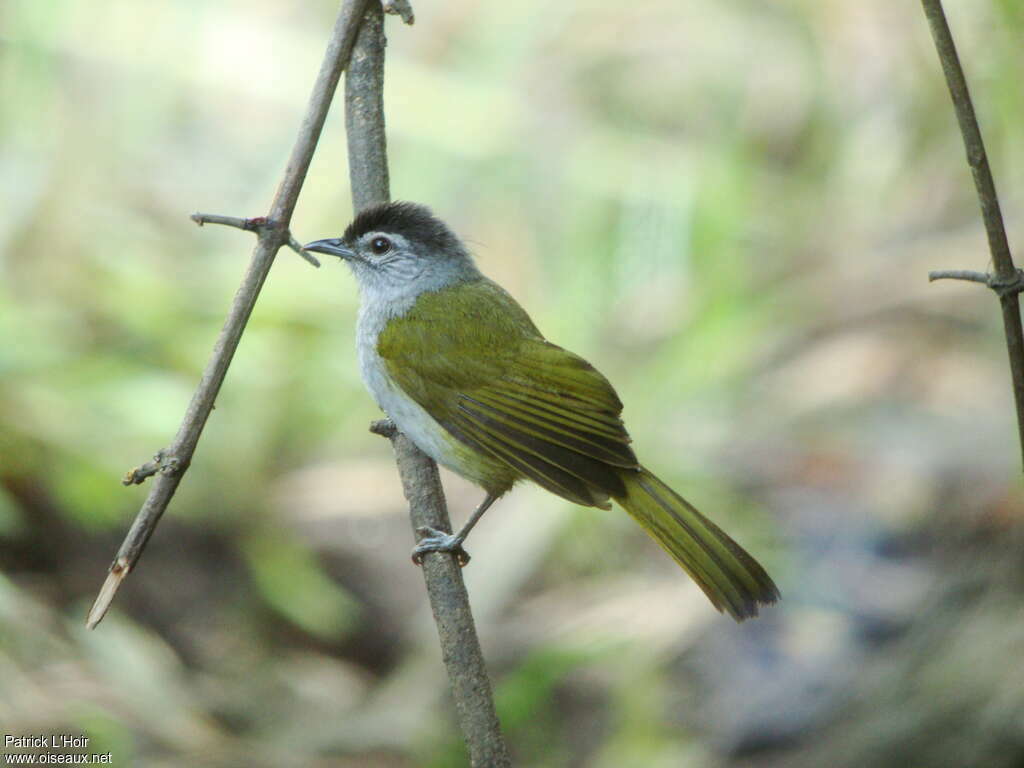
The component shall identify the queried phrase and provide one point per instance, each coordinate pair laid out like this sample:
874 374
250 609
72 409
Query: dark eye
380 245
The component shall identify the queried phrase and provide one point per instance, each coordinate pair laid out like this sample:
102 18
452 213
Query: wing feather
598 447
548 407
542 472
591 471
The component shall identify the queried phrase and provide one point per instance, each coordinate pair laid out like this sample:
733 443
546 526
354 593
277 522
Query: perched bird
461 369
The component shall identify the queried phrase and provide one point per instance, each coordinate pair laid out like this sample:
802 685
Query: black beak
332 247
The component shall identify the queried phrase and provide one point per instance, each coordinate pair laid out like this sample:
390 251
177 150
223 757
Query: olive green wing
471 357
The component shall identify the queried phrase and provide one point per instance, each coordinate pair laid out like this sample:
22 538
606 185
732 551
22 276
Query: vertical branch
175 460
364 114
449 601
1006 281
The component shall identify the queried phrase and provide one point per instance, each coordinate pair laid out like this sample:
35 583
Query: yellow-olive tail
732 579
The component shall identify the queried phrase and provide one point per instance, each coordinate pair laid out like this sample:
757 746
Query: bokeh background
729 207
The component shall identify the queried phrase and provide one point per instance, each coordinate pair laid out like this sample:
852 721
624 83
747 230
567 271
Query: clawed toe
438 541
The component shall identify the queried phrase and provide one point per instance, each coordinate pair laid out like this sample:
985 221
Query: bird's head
398 250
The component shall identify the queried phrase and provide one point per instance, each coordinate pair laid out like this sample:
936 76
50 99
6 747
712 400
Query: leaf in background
294 584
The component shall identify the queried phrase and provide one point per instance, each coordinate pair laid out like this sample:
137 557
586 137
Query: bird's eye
380 245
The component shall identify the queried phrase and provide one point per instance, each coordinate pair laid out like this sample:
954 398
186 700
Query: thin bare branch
256 224
296 246
269 240
977 158
1007 277
958 274
460 646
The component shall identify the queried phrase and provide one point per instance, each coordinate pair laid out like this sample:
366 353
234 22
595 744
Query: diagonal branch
449 601
175 459
1006 280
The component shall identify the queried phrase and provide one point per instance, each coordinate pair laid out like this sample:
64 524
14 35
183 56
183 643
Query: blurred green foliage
729 207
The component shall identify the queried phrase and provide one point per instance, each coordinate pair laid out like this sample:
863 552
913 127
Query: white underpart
410 418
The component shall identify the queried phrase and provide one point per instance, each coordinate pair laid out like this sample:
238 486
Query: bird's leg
438 541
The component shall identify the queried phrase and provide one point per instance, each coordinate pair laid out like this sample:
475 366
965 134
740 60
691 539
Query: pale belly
410 417
414 422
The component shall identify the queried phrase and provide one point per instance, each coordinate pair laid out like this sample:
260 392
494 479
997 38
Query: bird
460 368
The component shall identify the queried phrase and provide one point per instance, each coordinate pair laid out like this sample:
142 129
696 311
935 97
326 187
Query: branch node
402 8
162 463
1007 287
258 224
384 428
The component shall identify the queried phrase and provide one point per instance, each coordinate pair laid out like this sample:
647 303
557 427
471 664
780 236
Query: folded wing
498 386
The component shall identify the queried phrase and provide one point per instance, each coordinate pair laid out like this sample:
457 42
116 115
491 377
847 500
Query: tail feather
732 579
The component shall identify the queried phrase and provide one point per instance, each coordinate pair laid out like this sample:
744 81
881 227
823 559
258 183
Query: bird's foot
434 540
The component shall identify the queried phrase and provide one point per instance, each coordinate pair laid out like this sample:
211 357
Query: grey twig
161 462
1014 286
977 158
296 246
958 274
1006 280
256 224
460 646
269 240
